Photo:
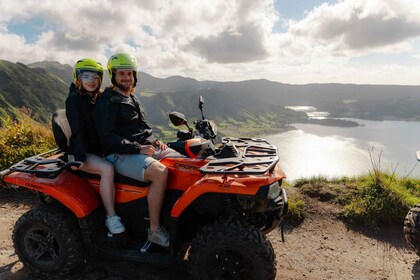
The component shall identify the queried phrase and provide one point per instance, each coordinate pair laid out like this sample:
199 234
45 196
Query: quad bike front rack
255 156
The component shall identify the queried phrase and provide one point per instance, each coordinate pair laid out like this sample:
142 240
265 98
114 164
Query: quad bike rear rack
255 157
42 167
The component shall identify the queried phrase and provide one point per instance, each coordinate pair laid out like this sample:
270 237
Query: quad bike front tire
48 242
412 228
231 249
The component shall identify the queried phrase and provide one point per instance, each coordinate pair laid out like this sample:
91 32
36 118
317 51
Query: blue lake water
314 150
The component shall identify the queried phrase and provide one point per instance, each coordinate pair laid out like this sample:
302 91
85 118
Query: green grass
374 200
382 200
147 93
297 209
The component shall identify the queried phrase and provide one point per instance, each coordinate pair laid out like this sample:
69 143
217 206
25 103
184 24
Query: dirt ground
322 247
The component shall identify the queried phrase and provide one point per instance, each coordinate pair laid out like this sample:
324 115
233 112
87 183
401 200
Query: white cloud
353 26
217 39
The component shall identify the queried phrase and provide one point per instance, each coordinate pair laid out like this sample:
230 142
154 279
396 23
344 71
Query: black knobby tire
412 228
48 242
231 249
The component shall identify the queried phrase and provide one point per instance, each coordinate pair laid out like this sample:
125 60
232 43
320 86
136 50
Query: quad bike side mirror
418 155
200 102
200 105
177 119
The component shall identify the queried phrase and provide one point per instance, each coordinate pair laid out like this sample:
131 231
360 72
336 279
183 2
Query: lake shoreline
334 152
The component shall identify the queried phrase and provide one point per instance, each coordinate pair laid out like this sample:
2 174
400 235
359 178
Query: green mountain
62 71
34 91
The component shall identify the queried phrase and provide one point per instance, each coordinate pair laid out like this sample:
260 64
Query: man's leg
157 173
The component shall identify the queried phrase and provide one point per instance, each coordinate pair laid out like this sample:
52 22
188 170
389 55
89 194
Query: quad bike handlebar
205 128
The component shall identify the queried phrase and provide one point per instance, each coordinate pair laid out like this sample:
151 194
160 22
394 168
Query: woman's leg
97 165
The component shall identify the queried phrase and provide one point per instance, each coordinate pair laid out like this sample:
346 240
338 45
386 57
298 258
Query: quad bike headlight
273 190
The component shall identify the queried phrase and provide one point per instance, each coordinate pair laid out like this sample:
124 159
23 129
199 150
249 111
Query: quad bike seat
118 178
62 132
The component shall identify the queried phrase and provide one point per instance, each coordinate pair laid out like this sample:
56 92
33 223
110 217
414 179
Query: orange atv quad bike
219 205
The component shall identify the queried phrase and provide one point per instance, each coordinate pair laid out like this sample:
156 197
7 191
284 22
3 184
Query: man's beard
124 87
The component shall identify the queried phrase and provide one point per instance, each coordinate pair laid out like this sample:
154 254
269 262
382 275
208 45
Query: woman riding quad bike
220 203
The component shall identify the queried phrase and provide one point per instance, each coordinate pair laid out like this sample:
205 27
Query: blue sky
294 10
297 42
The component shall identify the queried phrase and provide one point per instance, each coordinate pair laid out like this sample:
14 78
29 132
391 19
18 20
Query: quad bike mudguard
69 189
227 185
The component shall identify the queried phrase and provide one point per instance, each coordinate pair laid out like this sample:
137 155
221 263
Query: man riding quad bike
219 205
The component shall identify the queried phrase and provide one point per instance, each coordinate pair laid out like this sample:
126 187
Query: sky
294 42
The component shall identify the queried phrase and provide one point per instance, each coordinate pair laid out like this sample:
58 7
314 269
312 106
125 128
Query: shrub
382 199
20 139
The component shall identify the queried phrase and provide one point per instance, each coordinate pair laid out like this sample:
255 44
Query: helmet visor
88 77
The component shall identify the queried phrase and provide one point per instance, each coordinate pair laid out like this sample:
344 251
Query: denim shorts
131 165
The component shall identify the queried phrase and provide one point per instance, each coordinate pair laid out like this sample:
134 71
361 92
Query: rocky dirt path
320 248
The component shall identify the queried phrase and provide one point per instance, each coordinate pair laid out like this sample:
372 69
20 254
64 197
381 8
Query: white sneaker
159 237
114 225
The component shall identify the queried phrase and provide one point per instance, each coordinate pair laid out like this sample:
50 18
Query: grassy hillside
62 71
234 116
33 90
22 138
374 200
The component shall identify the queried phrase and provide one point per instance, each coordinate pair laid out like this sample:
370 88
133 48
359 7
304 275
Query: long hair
80 90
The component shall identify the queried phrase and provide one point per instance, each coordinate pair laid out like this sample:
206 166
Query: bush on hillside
19 140
383 199
374 200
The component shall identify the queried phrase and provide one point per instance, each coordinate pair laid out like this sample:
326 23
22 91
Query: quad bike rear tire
231 249
48 242
412 228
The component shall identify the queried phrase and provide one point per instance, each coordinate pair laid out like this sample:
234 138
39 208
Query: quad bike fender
70 190
210 184
229 185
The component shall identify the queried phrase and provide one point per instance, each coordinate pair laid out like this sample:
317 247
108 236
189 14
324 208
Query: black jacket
120 123
84 137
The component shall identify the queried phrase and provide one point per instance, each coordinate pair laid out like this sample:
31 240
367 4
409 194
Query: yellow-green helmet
122 61
87 64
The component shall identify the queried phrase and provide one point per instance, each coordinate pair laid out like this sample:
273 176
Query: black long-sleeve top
84 137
